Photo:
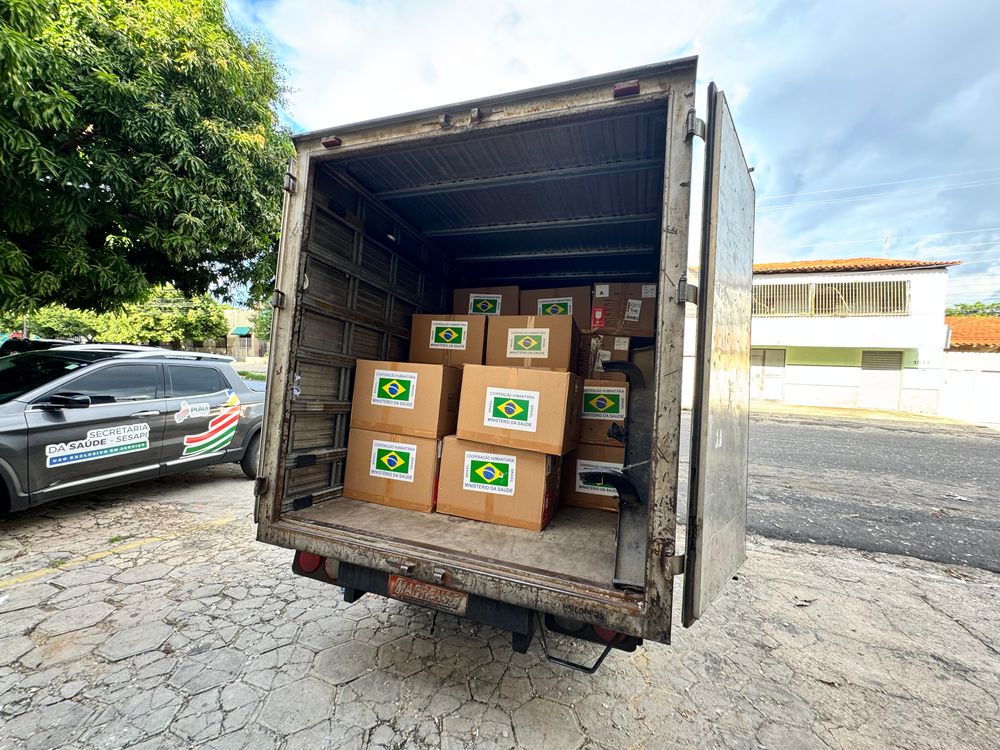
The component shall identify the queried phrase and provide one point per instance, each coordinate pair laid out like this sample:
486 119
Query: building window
838 299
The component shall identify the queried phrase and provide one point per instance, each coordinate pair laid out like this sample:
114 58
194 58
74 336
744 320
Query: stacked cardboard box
514 424
571 301
603 409
490 300
624 309
399 414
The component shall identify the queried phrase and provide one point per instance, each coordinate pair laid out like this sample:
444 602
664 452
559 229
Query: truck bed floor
577 544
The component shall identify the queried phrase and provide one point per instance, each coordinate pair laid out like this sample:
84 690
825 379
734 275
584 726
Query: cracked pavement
149 617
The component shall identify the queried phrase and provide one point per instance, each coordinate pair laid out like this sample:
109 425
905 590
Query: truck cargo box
565 186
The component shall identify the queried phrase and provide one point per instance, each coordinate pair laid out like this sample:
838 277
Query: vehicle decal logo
603 403
485 304
103 442
220 431
192 411
487 472
393 460
396 389
516 410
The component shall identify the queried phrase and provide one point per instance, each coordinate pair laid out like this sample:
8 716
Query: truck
587 181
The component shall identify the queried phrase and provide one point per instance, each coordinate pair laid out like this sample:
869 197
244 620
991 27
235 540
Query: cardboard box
549 341
448 339
392 469
536 410
624 309
572 300
596 349
497 484
604 404
407 399
486 300
578 493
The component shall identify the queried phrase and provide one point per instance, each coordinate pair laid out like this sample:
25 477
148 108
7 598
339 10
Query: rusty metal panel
716 540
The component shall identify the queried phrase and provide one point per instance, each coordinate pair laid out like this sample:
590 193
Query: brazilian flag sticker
396 389
489 472
528 342
511 410
448 334
555 306
484 304
603 403
393 460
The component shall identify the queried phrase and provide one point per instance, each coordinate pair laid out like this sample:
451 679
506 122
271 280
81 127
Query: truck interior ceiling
393 229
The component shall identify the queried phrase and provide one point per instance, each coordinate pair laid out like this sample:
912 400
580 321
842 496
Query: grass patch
58 562
117 538
247 375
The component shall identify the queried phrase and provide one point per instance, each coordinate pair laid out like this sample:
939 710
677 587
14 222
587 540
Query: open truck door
717 505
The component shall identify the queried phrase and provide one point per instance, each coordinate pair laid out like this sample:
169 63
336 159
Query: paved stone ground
150 618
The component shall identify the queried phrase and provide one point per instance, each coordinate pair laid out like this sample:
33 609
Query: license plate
418 592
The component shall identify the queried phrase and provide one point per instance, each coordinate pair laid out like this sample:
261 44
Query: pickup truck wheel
249 461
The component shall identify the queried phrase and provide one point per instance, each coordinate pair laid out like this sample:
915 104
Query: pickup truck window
195 381
116 384
20 373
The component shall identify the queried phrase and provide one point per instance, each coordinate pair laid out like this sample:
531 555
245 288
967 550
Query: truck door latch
686 292
695 126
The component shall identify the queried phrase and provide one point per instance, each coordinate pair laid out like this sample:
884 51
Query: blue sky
871 125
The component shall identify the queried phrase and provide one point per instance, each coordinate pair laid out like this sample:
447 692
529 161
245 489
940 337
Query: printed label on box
485 304
393 460
489 472
528 342
448 334
555 306
597 316
603 355
649 291
603 403
512 410
396 389
602 290
633 309
597 488
621 343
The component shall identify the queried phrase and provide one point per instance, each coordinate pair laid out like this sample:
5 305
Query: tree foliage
975 308
261 322
138 145
60 322
166 316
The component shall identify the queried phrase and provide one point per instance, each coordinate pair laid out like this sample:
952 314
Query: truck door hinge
686 292
278 299
695 125
674 565
290 179
259 486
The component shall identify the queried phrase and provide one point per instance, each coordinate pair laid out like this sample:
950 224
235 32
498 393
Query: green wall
835 356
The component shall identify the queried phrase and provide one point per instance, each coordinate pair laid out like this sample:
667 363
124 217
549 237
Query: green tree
59 322
974 308
165 316
261 322
138 145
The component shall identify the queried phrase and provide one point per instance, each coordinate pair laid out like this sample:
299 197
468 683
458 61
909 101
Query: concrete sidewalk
181 631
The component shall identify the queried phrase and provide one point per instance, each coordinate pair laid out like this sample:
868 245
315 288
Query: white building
971 387
859 332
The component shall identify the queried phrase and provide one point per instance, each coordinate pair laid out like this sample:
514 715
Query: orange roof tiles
848 264
974 331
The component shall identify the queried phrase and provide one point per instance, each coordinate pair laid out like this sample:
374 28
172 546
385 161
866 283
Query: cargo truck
571 184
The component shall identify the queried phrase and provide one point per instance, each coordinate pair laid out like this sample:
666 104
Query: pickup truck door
116 439
203 416
717 503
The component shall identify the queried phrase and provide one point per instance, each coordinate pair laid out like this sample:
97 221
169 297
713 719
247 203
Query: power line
878 184
893 194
